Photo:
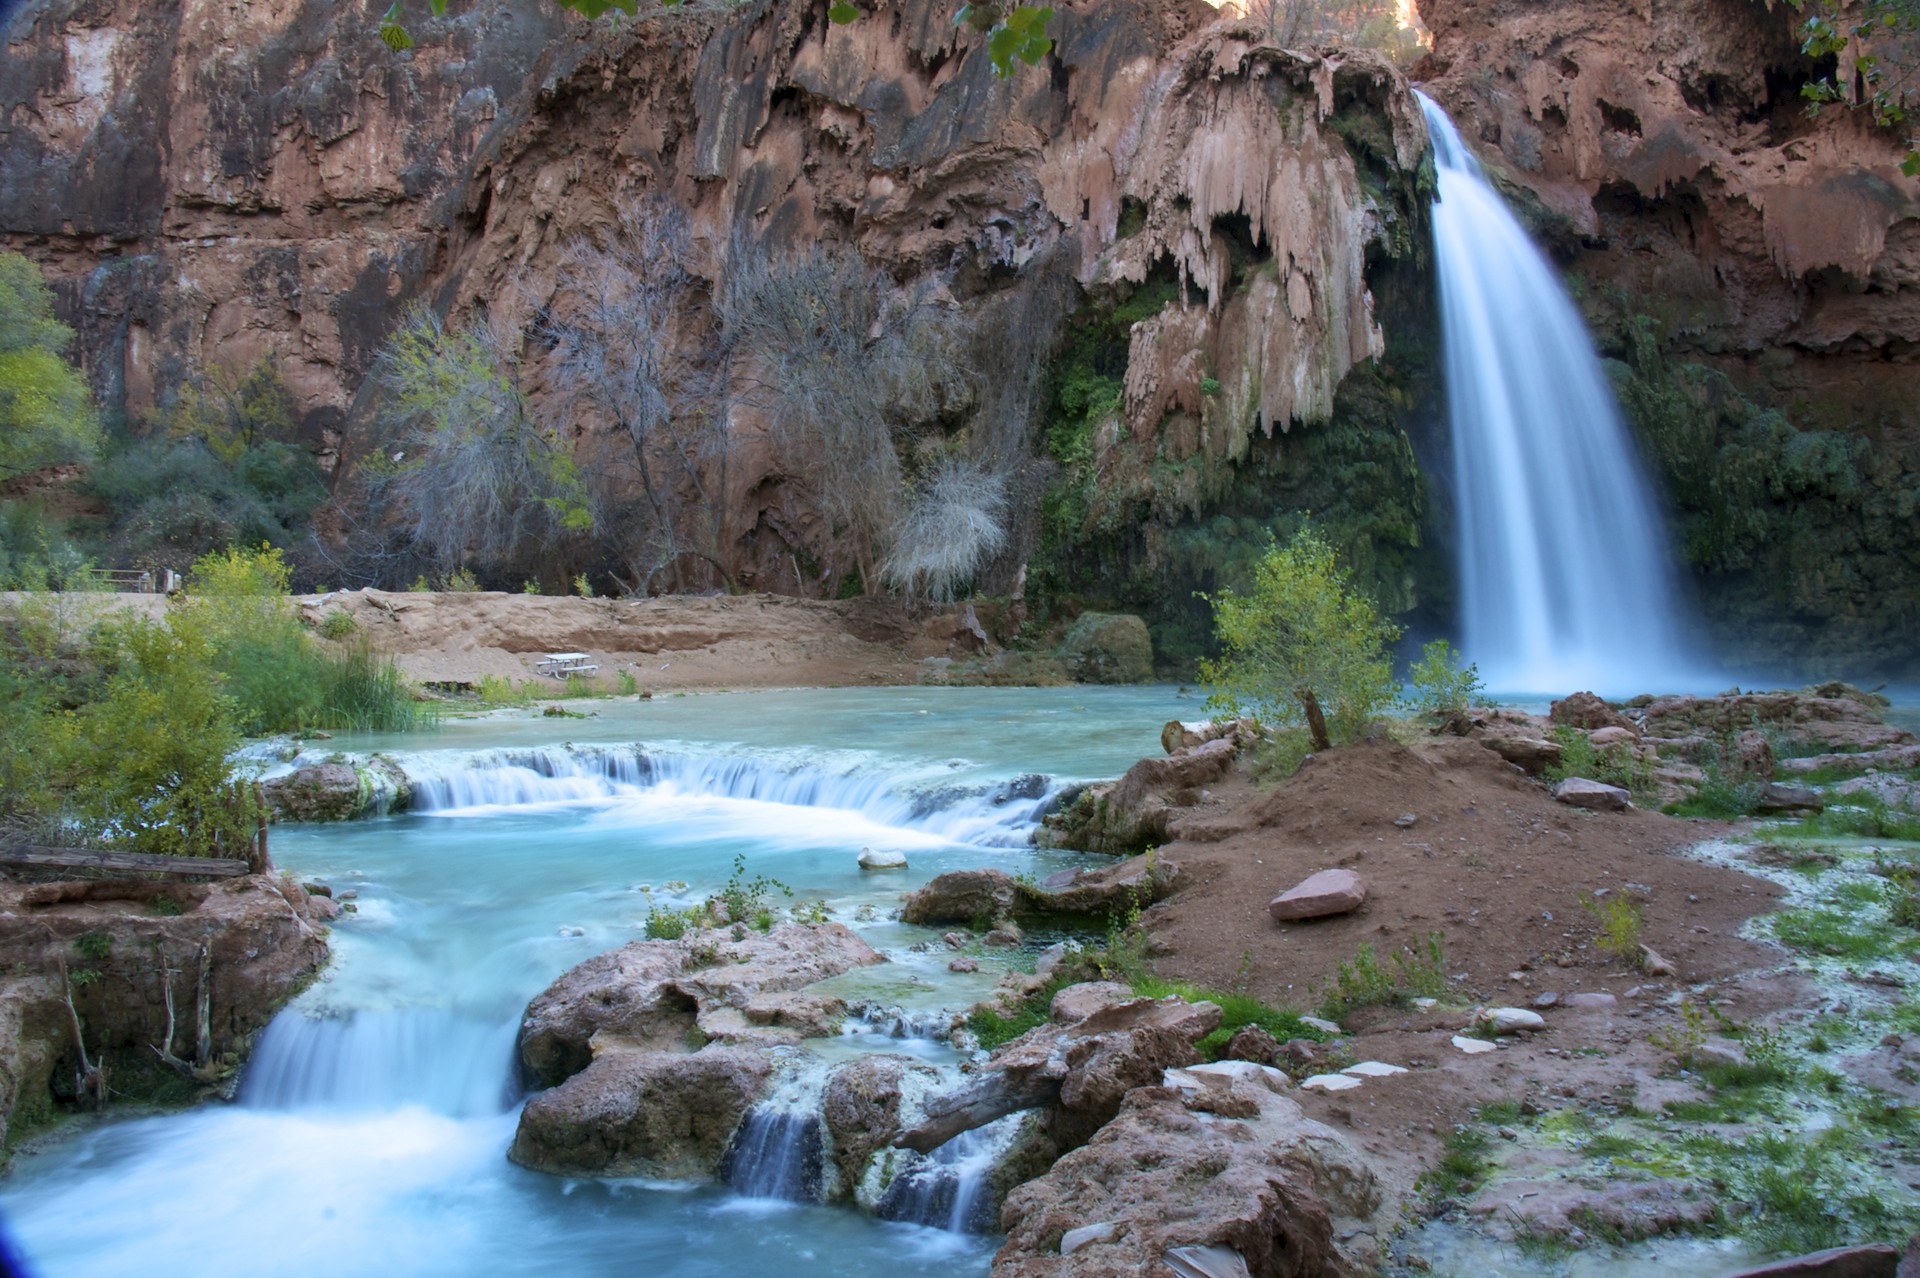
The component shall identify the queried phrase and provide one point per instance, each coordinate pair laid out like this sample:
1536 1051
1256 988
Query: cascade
481 783
779 1150
1567 577
370 1060
947 1188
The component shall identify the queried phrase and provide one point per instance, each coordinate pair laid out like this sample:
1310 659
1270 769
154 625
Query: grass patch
1614 764
1870 817
1839 934
1463 1162
1236 1012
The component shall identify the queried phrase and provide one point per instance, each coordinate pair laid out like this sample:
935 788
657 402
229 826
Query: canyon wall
1753 270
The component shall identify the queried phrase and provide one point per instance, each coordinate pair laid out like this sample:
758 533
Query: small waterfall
446 1062
1567 577
1002 814
949 1188
873 1020
779 1150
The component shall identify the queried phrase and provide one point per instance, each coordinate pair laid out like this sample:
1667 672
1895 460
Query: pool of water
370 1132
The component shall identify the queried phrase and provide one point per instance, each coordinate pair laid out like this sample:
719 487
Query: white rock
1472 1046
1245 1071
1085 1236
1324 1026
1373 1069
883 859
1425 1004
1510 1020
1330 1083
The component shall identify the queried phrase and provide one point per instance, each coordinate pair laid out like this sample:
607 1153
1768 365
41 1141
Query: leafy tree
1876 44
1301 642
1438 685
463 469
46 411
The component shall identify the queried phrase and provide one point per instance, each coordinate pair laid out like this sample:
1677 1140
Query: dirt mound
1487 858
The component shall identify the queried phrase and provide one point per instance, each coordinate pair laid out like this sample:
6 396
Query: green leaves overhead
1884 84
1015 31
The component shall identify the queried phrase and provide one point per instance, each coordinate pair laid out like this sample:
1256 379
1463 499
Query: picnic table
562 664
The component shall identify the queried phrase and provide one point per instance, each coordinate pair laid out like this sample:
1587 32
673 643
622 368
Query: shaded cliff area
1165 254
1753 273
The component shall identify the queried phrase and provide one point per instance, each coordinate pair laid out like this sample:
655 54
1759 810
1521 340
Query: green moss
1839 934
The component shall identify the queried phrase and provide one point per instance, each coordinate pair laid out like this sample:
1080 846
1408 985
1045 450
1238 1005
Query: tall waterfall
1567 577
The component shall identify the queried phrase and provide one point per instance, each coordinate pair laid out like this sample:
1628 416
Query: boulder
1509 1020
1251 1043
1779 798
1580 792
1532 755
1180 735
861 1105
1132 813
1224 1177
338 791
654 995
1753 755
1592 1000
658 1115
1076 1003
1602 738
1586 711
882 859
962 896
1105 647
1136 882
1320 896
1078 1071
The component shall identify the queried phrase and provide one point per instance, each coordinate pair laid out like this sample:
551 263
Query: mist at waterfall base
1568 581
370 1131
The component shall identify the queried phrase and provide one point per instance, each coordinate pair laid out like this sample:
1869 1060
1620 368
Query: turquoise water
371 1128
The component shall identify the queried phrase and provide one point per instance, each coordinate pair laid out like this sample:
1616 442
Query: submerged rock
882 859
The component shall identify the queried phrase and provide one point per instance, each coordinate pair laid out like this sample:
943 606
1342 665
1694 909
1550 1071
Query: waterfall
779 1150
481 783
948 1188
375 1060
1567 577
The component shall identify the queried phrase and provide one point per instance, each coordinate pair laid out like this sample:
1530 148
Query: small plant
93 945
168 908
1441 688
529 587
625 683
338 624
763 920
1619 920
582 587
745 898
812 913
1683 1041
1363 981
1210 387
1616 765
663 924
1463 1161
82 977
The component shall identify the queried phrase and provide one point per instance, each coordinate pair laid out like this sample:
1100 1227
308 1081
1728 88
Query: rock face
1664 151
988 896
1803 718
652 1051
262 936
1108 648
273 181
1320 896
1228 1166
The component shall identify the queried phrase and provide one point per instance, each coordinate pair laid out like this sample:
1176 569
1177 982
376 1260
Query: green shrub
338 624
1619 920
1302 645
1439 687
1363 981
1615 764
746 899
670 925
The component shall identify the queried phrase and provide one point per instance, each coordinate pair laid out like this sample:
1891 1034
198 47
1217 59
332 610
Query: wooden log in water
125 862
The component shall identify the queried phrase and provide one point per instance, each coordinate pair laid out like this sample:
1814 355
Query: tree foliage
1876 46
46 410
1300 644
952 524
462 468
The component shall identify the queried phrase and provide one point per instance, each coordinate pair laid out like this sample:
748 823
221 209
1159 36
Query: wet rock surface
245 945
339 791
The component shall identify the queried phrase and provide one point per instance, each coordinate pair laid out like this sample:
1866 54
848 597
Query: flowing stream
370 1131
1567 577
